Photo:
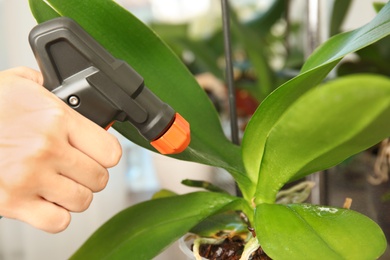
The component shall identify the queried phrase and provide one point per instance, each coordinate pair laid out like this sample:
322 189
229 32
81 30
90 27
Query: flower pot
185 243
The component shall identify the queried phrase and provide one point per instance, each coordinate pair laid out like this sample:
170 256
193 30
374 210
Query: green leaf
324 127
177 37
202 184
206 60
255 48
263 23
42 11
129 39
268 113
345 43
301 231
378 6
339 13
227 223
164 193
314 71
142 231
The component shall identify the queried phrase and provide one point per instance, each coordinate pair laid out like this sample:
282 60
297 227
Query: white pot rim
185 243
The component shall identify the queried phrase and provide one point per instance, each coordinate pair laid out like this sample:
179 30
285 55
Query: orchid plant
297 130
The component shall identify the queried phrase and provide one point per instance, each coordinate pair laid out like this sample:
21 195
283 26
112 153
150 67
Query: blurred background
184 25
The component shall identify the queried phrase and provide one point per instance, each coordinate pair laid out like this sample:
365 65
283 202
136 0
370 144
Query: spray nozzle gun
102 88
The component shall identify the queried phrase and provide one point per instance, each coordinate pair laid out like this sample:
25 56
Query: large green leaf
129 39
144 230
301 231
315 70
268 113
324 127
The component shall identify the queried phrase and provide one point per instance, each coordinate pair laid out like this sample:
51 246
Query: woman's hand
52 158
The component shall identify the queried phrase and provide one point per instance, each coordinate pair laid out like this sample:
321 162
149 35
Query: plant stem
230 78
229 71
251 246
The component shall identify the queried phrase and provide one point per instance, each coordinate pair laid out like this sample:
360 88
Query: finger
82 169
44 215
94 141
28 73
66 193
83 133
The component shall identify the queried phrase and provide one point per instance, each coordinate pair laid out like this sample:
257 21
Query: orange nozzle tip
175 139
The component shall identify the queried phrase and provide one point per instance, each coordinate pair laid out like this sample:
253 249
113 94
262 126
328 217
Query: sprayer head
176 139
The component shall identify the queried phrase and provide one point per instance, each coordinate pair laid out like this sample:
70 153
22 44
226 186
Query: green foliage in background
297 130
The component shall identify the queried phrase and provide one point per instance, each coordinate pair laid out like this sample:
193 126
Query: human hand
52 158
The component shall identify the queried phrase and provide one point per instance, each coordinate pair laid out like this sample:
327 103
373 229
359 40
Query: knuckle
54 221
84 201
78 199
58 112
87 201
115 153
21 70
102 181
53 114
44 148
10 202
19 184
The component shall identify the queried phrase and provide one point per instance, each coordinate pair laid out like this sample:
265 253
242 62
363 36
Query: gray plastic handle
102 88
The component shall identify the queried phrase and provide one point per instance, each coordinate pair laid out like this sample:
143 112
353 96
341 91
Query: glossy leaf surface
302 231
315 70
142 231
126 38
221 224
324 127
